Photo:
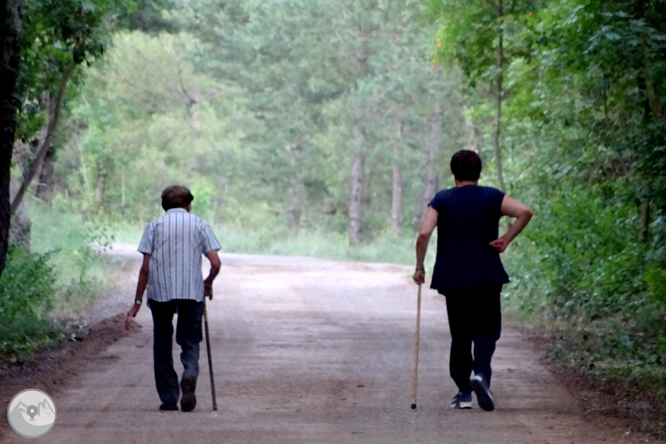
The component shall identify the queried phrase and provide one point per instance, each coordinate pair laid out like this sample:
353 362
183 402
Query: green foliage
41 292
584 135
260 122
75 246
655 279
471 30
57 33
27 287
585 138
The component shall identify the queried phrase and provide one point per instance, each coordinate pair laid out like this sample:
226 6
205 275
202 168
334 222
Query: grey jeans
188 336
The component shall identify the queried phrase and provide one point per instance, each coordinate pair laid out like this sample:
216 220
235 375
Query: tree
474 35
270 120
10 38
146 120
59 37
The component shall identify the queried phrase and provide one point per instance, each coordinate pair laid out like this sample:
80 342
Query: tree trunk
358 155
431 181
46 145
646 81
10 45
396 202
46 186
498 100
123 200
100 187
644 221
651 106
357 187
472 132
295 209
20 229
46 182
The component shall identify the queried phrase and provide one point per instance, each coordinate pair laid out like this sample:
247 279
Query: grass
45 291
75 246
328 245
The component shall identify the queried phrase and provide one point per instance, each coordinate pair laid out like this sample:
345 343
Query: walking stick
210 360
416 349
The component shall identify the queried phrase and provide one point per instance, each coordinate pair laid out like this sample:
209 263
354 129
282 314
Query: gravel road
315 351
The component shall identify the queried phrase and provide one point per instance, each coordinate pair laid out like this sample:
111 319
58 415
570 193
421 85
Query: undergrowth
44 292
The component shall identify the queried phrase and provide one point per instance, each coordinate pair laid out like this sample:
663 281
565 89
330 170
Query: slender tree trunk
431 181
10 45
100 188
20 229
499 98
644 221
123 200
46 145
357 186
472 132
651 106
651 99
295 209
396 203
46 186
46 181
357 190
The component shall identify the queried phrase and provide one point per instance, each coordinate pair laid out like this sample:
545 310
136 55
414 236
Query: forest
324 128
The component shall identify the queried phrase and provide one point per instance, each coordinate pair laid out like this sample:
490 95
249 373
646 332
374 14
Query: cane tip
413 406
215 408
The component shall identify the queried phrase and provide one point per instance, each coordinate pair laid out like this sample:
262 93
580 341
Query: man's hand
140 289
131 314
215 265
500 244
419 276
208 290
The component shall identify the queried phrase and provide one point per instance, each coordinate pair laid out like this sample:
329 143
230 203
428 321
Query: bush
584 268
27 290
55 284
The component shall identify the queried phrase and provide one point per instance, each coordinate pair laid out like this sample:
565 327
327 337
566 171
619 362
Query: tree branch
53 124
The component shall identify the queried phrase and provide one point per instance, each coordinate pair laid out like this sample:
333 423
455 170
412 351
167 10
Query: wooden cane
210 360
416 349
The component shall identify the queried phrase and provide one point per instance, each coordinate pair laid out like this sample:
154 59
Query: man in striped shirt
172 246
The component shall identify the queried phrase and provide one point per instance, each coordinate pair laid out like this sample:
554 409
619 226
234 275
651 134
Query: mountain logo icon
31 413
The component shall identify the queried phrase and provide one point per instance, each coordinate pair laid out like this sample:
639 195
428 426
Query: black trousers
475 320
188 336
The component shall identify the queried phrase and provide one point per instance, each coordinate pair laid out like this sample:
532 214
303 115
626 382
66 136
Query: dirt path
315 351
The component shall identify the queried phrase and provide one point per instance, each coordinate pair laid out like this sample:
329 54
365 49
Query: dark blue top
467 221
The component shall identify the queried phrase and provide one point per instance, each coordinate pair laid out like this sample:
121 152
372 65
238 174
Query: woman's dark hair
176 196
466 165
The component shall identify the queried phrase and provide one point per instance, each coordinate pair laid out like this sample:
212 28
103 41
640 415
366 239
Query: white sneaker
462 401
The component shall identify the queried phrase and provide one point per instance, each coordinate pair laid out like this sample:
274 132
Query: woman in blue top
469 272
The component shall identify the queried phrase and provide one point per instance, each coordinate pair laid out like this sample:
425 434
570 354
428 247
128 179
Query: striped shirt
176 242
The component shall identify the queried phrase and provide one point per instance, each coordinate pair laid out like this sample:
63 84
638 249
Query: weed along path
316 351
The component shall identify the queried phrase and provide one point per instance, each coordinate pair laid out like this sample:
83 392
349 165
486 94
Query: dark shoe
188 401
483 394
169 407
462 401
